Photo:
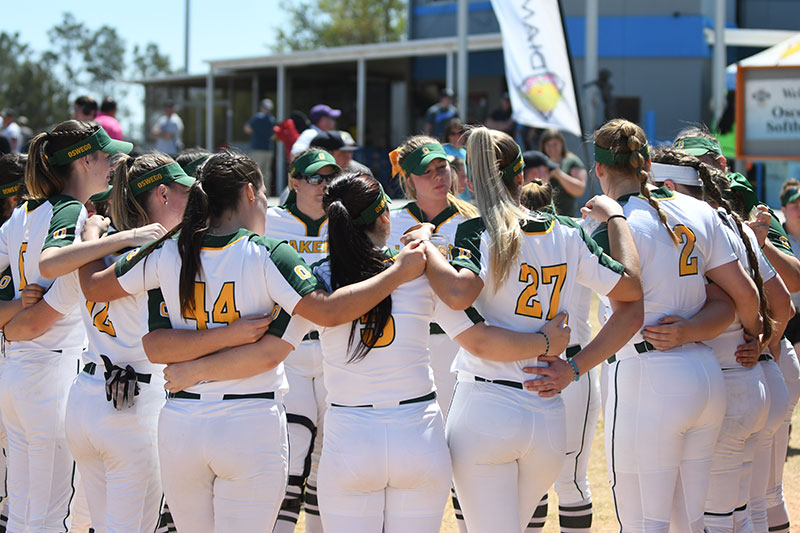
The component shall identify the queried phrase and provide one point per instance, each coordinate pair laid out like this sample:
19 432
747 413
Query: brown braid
707 174
622 136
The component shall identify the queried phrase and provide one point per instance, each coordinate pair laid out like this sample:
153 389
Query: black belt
193 396
312 336
573 350
765 357
91 368
426 398
513 384
640 347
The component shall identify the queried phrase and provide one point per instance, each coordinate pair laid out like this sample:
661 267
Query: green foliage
327 23
149 61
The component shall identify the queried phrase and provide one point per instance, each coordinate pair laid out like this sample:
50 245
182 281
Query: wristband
574 366
616 216
547 342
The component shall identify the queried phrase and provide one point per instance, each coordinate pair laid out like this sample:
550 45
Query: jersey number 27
527 304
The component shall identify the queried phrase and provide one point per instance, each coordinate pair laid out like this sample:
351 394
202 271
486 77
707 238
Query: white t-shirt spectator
13 133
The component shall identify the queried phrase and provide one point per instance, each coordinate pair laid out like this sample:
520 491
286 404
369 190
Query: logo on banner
541 88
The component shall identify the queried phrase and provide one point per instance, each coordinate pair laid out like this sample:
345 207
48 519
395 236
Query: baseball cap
792 194
102 196
169 173
98 140
698 145
322 110
334 140
535 158
448 93
417 161
308 164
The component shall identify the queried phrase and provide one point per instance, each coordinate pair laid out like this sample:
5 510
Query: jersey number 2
224 310
527 304
687 265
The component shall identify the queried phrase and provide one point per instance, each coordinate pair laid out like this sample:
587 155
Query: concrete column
280 154
361 101
210 110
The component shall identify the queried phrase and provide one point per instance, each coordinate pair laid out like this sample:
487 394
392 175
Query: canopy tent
786 54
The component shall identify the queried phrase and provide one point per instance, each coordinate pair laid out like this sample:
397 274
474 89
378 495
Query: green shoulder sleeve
777 235
279 323
291 265
63 224
157 314
466 251
6 285
594 243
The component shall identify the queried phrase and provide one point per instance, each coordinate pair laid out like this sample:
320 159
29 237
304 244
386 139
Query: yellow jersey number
386 336
22 281
527 304
687 266
100 319
224 310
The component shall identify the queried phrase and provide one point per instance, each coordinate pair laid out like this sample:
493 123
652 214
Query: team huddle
364 364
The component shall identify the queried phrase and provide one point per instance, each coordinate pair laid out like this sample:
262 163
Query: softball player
223 445
113 406
427 180
746 395
301 221
65 167
661 435
507 445
581 403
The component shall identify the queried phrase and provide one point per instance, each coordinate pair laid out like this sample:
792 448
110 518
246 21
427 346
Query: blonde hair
465 209
488 151
128 210
43 179
624 137
536 195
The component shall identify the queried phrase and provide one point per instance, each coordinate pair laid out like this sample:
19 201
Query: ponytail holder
609 157
394 157
374 210
509 172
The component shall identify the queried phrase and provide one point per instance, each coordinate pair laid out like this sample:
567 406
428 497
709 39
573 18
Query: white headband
678 174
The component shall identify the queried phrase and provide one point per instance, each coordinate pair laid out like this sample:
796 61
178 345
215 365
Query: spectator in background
453 139
537 165
500 118
790 205
259 128
168 131
107 117
569 180
84 108
341 146
11 131
323 118
440 113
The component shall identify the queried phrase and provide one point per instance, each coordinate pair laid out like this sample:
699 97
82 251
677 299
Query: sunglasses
316 179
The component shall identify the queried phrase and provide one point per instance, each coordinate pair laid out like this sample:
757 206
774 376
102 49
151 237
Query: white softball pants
117 454
224 463
384 469
507 446
33 398
745 413
663 415
442 352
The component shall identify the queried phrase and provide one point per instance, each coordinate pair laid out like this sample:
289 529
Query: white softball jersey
242 274
308 237
725 344
673 277
555 256
445 222
33 227
397 368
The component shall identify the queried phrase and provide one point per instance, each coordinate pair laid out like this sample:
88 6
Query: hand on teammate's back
667 334
411 261
600 208
747 353
248 329
94 227
558 333
31 294
147 234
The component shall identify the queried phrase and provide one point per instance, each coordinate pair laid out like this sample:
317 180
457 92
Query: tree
104 57
327 23
67 39
149 61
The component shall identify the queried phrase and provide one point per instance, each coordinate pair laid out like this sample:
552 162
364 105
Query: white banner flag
537 64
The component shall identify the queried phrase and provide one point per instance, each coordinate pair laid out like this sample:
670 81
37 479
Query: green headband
10 189
792 194
98 140
171 172
509 172
698 145
374 210
609 157
417 161
307 165
191 167
102 196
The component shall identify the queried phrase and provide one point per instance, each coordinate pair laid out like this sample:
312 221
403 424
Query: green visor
168 173
698 145
102 196
374 210
310 163
791 195
98 140
11 189
417 161
191 167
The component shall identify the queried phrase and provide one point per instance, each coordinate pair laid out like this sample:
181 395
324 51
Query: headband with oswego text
171 172
97 141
